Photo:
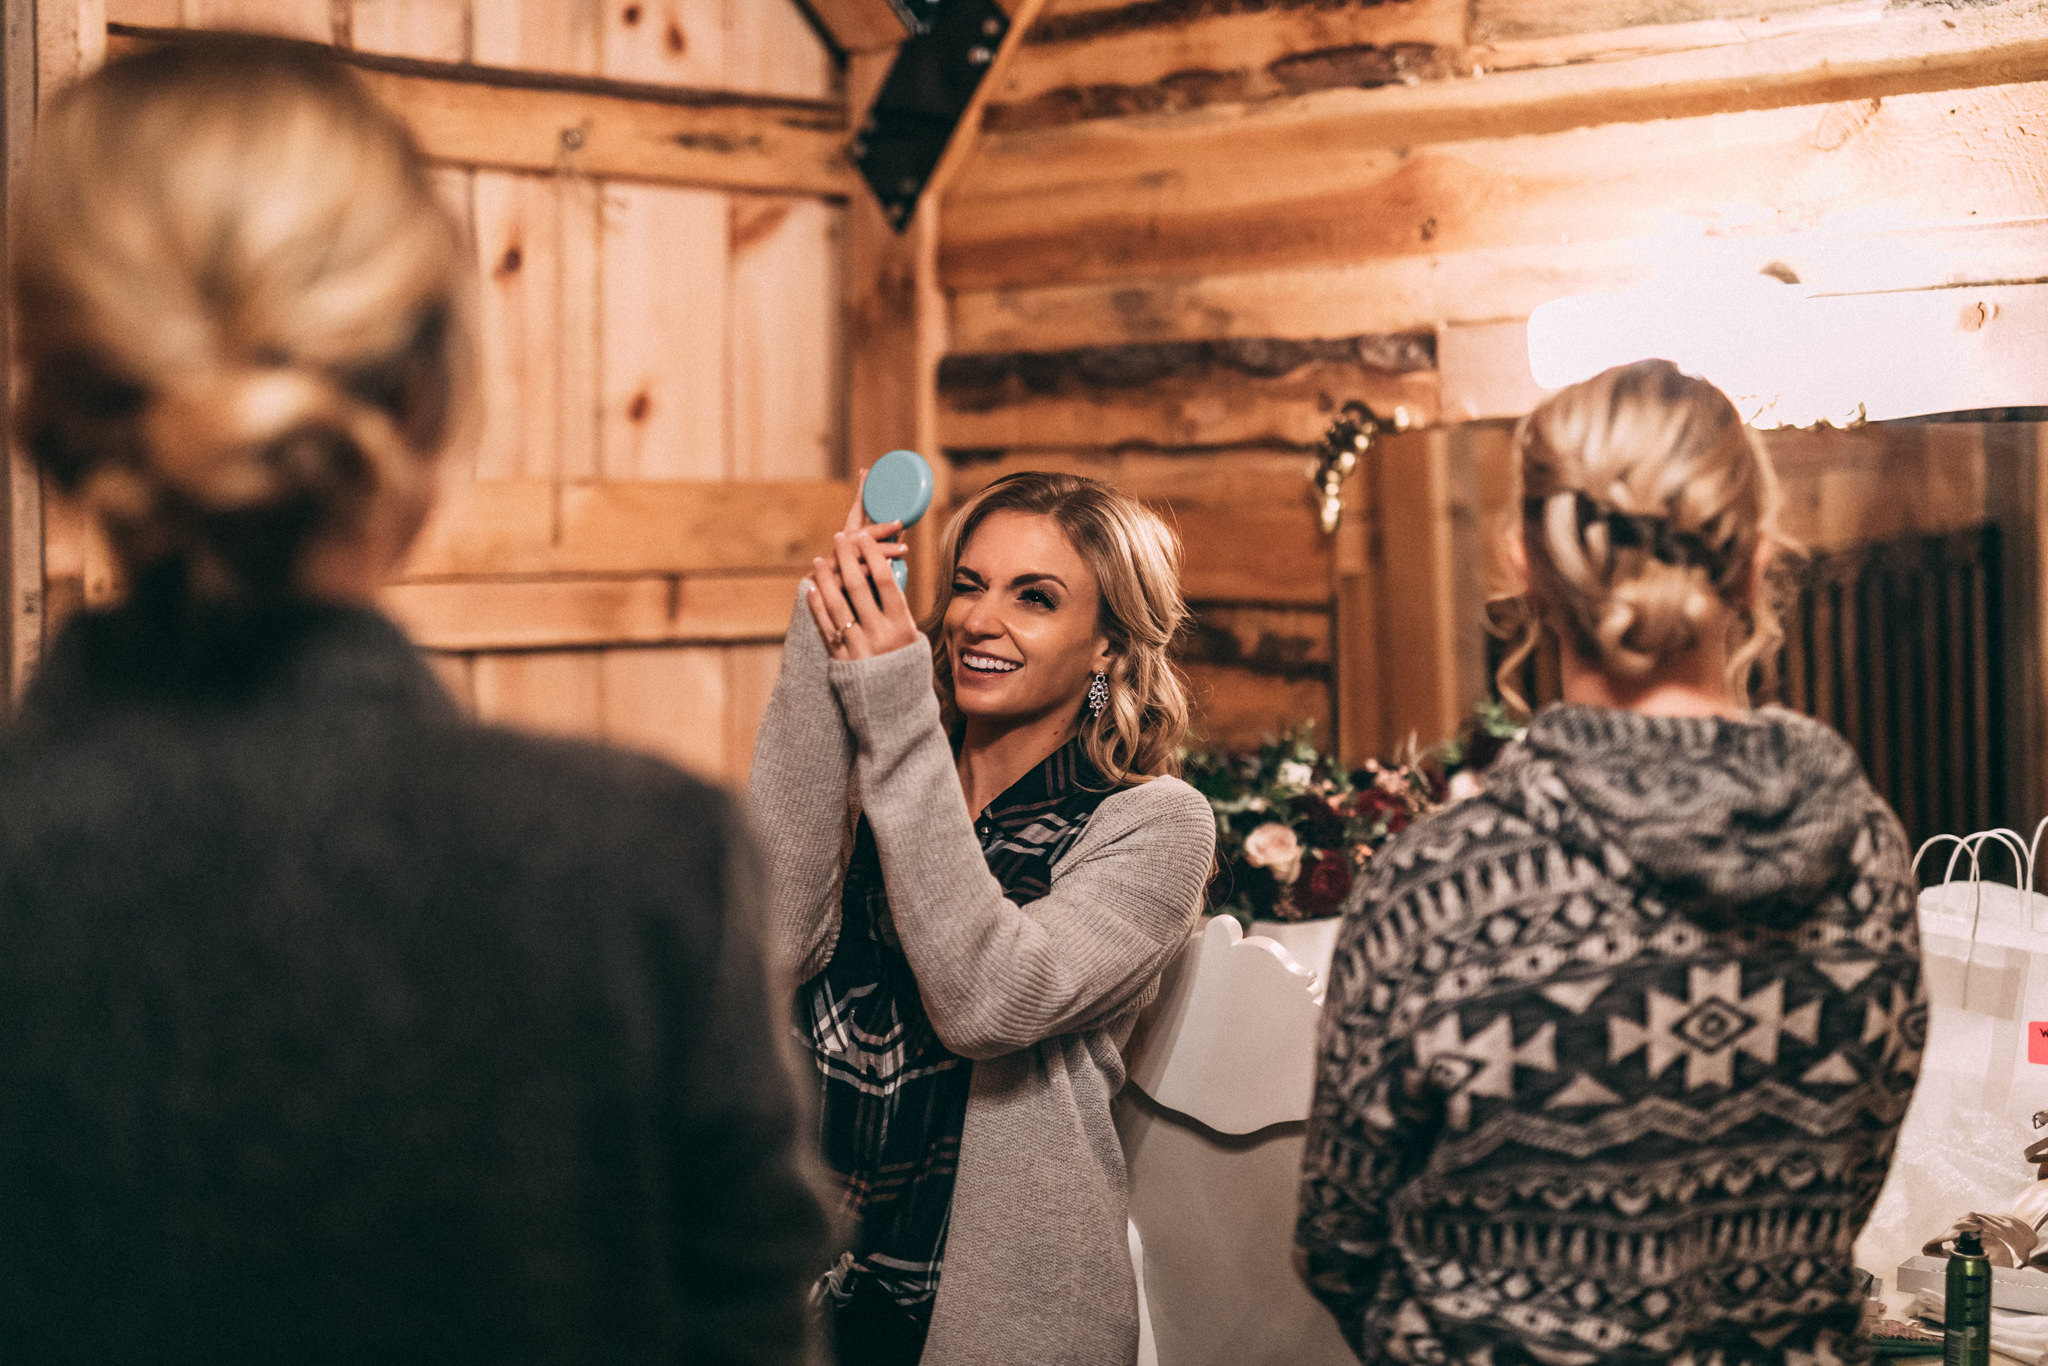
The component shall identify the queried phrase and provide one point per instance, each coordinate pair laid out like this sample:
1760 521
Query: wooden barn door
657 191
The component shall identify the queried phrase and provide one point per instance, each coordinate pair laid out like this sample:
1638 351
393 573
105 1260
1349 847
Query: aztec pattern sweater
1615 1055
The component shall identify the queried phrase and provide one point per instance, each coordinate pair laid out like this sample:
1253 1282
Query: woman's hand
859 610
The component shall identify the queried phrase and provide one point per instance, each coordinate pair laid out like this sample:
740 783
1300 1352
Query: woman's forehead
1007 543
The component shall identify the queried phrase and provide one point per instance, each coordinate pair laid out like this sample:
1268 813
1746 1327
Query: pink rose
1273 846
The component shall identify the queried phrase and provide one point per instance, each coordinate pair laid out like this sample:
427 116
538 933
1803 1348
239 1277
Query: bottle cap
1968 1244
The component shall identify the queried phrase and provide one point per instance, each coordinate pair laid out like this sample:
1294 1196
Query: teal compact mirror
898 488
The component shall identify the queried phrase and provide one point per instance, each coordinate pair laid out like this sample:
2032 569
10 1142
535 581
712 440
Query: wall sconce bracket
1340 452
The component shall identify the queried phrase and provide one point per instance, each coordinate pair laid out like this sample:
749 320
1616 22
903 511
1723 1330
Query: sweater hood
1729 820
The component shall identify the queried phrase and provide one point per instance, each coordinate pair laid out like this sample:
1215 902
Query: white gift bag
1982 1082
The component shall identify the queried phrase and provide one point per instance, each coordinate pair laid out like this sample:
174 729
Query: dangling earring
1098 694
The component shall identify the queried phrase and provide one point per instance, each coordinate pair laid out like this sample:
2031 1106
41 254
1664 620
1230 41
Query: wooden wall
1184 236
657 193
1190 232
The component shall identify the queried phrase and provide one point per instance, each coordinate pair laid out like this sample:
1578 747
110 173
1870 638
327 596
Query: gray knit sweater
1042 996
1614 1055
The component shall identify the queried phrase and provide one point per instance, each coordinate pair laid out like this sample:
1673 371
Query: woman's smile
976 662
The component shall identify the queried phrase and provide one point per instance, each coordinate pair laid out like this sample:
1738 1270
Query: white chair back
1221 1074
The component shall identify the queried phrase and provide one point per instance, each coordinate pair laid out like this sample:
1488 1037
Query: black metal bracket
929 86
915 14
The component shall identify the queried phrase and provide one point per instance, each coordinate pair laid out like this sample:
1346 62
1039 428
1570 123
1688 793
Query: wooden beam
1205 404
1485 368
1418 581
626 528
1238 709
1878 356
1844 489
1360 701
1149 58
895 308
1246 521
859 25
50 554
21 525
1508 35
1224 199
895 335
1897 54
70 42
528 121
572 613
1286 642
2030 679
1406 293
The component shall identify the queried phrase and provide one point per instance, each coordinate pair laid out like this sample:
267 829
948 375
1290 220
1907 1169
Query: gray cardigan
1043 996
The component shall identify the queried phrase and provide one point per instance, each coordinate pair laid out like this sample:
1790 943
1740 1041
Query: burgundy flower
1319 820
1376 800
1324 884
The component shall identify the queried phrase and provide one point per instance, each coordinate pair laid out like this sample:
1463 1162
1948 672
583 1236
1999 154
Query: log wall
1191 231
657 192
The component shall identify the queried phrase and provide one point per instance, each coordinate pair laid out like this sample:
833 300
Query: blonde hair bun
222 439
1647 507
244 311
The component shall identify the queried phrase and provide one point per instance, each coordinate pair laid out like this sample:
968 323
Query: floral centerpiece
1295 828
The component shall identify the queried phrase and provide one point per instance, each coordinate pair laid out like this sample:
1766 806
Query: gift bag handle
1971 845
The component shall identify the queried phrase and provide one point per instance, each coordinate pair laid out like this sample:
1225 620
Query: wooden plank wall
662 440
1190 232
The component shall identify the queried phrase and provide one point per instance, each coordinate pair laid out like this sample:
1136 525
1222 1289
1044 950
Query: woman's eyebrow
1026 580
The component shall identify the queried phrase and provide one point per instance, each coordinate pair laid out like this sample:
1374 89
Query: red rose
1324 884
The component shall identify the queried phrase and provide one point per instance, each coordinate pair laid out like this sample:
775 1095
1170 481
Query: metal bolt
991 27
572 139
980 56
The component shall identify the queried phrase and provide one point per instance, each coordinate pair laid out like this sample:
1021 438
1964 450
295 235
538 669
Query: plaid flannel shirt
893 1098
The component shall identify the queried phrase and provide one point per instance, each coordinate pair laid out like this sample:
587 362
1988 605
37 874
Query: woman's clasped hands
854 599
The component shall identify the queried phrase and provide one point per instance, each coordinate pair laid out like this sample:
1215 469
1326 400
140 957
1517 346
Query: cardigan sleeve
797 800
996 977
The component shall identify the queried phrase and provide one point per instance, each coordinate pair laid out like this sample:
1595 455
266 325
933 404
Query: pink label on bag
2037 1041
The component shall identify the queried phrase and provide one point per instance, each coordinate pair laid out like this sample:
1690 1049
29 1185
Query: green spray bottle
1967 1306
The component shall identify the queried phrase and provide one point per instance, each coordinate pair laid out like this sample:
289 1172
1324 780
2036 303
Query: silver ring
848 627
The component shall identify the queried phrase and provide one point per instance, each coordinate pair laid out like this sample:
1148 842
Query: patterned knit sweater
1614 1054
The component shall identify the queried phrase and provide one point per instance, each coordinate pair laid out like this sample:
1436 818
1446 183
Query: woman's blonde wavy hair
1645 501
243 311
1136 559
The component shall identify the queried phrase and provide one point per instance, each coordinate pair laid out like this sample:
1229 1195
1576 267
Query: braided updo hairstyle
241 310
1645 501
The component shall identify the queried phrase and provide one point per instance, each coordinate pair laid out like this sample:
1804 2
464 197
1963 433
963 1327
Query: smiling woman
975 942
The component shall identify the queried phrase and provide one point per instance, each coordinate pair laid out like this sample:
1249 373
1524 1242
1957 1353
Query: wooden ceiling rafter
518 120
1408 293
1152 57
1894 55
858 25
895 305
